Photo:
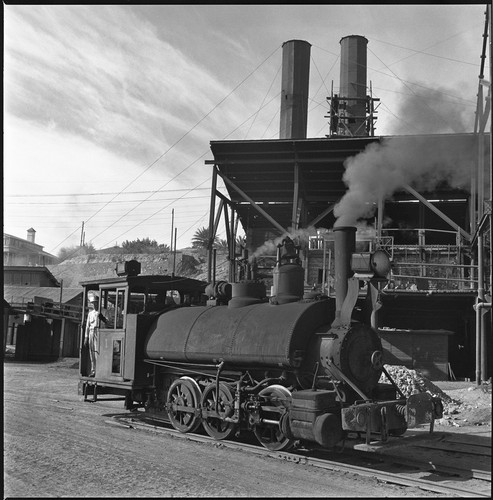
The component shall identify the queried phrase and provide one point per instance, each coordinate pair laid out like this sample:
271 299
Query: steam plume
383 168
270 246
433 111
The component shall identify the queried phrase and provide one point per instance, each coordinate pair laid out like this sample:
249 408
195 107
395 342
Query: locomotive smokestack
344 246
294 91
353 84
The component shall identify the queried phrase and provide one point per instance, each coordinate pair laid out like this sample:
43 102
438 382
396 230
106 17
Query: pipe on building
481 367
294 91
480 306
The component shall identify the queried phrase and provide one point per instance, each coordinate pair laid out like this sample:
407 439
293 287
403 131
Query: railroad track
405 471
428 476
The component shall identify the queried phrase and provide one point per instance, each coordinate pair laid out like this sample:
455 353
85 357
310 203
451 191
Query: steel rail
389 477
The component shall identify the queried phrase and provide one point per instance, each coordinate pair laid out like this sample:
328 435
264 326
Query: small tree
146 245
66 253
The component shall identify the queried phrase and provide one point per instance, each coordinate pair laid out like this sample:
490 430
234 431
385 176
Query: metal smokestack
353 84
344 247
294 91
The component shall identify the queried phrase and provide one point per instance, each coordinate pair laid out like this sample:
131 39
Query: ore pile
412 382
456 412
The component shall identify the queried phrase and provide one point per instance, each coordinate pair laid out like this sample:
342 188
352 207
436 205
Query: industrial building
423 199
41 317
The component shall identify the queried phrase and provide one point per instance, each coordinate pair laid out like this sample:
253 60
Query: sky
109 110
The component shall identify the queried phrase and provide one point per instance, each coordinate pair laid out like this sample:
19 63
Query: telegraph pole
82 235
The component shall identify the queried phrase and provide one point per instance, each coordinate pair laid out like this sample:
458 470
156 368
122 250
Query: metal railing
417 264
47 309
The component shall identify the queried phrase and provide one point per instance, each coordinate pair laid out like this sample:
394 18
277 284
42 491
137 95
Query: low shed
423 350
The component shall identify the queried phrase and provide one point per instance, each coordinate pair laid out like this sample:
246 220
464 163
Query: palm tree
201 238
222 245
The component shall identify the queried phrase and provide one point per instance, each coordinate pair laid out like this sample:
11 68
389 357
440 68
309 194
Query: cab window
160 300
136 302
113 308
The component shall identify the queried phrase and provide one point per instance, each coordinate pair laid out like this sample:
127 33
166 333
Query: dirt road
57 445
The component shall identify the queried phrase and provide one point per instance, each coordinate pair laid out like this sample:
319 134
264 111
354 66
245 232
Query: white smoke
383 168
433 111
297 235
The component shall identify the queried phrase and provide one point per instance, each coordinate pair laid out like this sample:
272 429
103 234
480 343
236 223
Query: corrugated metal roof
12 293
266 170
33 269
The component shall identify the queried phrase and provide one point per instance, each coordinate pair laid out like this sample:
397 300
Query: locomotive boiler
290 367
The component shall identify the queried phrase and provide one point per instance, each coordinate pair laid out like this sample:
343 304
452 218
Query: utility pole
174 253
172 230
82 235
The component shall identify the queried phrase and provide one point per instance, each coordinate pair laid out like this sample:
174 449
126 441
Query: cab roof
148 282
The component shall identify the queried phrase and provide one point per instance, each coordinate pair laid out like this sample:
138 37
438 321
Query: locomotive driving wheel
215 408
182 402
273 433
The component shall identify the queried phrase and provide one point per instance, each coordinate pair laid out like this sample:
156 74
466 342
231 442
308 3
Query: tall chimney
353 83
294 91
31 235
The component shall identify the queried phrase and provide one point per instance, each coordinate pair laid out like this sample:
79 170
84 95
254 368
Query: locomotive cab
111 357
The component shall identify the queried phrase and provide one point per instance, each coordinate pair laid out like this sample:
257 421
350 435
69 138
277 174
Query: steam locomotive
292 368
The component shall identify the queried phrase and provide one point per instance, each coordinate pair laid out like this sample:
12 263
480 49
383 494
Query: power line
178 141
96 202
428 47
263 100
51 195
411 90
160 210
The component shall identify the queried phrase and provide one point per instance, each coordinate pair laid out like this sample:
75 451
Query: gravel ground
55 445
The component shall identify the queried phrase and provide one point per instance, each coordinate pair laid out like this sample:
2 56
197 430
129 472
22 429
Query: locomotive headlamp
128 268
370 265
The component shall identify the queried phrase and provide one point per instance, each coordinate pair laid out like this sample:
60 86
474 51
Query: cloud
104 73
109 89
